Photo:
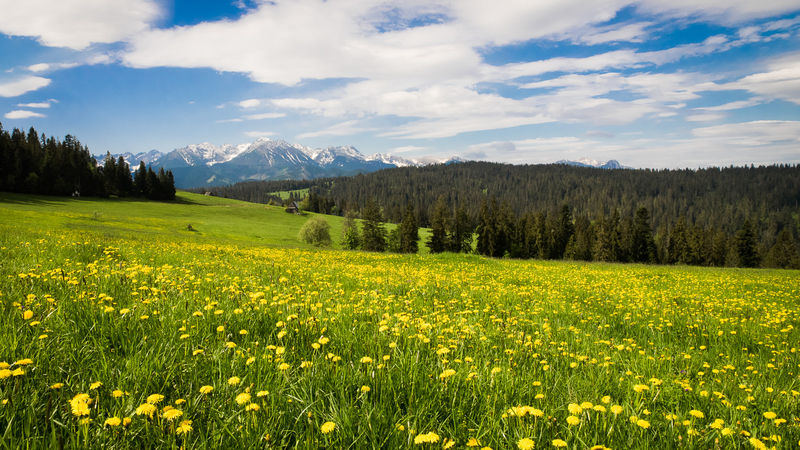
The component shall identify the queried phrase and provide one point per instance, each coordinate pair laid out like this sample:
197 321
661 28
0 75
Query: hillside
213 219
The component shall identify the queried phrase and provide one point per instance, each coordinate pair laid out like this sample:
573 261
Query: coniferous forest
735 216
33 163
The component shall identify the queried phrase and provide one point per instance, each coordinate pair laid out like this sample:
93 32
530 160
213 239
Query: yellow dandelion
206 389
184 427
243 398
233 381
525 444
172 414
154 399
558 443
327 427
112 422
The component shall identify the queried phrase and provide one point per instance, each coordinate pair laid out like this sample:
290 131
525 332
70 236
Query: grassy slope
212 218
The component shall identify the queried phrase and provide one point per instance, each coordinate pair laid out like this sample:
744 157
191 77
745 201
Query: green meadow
123 328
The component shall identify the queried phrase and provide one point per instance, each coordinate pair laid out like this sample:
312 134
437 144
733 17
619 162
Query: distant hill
714 197
586 162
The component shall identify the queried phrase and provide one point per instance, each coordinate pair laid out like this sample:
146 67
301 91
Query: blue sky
685 83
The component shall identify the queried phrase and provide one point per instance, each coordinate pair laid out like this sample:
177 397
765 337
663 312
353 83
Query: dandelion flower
27 315
769 415
154 399
447 374
146 409
696 414
573 420
233 381
184 427
243 398
559 443
206 389
173 414
426 438
112 422
525 444
327 427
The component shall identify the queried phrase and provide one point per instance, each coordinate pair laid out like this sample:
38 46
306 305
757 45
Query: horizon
697 84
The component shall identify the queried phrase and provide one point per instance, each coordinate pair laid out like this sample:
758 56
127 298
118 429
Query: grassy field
122 329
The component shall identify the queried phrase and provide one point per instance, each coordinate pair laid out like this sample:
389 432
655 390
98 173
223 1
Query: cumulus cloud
77 23
21 86
22 114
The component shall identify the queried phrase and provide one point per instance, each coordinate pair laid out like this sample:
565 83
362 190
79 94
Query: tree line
695 216
562 235
37 164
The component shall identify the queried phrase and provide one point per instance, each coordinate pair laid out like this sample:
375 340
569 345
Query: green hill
212 219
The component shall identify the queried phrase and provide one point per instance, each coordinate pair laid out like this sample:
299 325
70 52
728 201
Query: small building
293 208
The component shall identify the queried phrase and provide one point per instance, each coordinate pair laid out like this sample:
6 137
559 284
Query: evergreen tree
408 232
565 230
140 181
437 242
373 234
643 247
351 238
460 238
393 241
485 230
784 253
746 246
678 250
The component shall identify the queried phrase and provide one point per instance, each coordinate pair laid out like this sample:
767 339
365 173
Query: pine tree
140 181
746 246
437 242
373 234
485 230
351 238
784 253
565 230
409 232
643 247
460 238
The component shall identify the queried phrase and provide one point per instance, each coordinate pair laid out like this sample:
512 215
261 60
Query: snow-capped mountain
265 159
586 162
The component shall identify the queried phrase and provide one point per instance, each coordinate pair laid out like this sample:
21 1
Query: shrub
316 231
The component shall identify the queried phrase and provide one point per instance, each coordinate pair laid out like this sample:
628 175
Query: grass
103 313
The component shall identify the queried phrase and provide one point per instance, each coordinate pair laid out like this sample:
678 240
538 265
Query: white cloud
347 128
757 142
782 81
77 23
705 117
22 114
250 103
34 105
47 67
724 11
258 134
262 116
20 86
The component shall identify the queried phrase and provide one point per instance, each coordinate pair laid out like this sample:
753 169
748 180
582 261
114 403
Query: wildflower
327 427
426 438
769 415
559 443
55 386
365 389
95 385
172 414
146 409
206 389
112 422
366 360
472 442
243 398
154 399
80 405
448 444
447 374
27 315
696 414
184 427
573 420
525 444
616 409
233 381
574 408
641 388
643 423
755 442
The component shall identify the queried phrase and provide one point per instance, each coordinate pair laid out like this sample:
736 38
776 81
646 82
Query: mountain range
267 159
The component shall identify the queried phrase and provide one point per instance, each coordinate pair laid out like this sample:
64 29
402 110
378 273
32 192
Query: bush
316 231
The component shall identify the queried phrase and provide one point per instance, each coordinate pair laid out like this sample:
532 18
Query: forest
711 216
33 163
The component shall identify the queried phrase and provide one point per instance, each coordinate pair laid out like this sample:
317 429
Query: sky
678 84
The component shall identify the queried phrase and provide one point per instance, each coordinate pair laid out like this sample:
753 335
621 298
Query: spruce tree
437 243
746 246
351 238
460 239
408 232
643 247
373 234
